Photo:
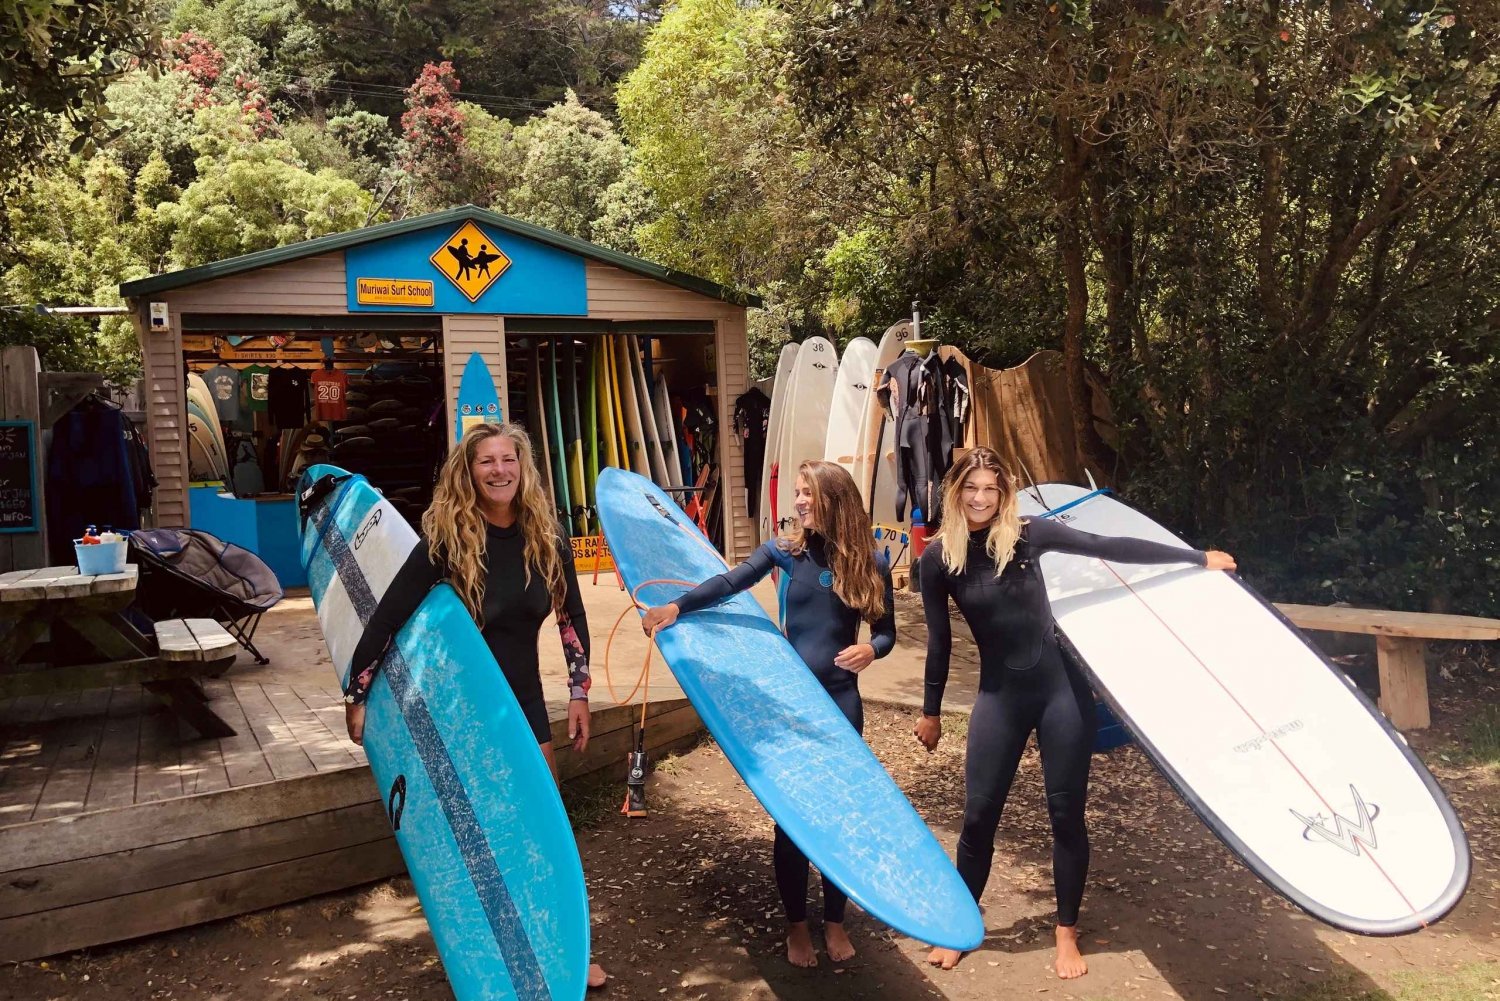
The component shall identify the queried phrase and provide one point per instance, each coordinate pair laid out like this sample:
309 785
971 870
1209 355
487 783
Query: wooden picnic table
65 631
1401 649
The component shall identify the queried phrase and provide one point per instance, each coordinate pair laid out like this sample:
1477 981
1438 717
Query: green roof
370 234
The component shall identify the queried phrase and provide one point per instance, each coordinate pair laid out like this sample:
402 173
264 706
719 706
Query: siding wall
166 408
312 286
463 334
621 295
732 351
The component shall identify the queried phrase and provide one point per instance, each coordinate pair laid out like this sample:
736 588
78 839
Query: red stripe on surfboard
1368 852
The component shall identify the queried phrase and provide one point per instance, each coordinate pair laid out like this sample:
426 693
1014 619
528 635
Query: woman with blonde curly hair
985 560
492 534
832 579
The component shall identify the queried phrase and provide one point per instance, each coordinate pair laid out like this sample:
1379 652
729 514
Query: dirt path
685 907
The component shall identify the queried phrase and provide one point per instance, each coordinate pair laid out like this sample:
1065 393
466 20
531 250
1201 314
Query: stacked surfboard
593 405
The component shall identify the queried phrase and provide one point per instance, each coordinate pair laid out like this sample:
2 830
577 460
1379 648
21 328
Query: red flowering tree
202 61
255 110
437 154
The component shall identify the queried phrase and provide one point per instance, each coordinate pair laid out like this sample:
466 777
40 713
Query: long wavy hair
1005 530
455 528
840 515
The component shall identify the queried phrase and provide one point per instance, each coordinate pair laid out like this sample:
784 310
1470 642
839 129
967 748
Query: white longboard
1273 747
804 428
850 396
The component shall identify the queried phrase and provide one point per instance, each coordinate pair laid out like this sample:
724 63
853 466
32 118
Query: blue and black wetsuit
514 609
1025 684
819 625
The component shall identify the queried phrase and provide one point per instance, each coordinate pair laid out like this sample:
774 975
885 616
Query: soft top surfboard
472 802
781 393
478 402
1270 744
851 396
782 732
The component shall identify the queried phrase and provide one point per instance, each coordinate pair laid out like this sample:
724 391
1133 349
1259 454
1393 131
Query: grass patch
1476 982
1482 737
591 799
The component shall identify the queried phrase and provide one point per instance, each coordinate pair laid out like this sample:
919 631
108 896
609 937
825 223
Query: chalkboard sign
18 476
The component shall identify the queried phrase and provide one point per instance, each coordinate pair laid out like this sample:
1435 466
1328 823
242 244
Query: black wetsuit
513 614
818 625
1025 684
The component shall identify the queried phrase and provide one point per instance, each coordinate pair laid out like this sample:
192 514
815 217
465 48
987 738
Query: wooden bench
198 647
1401 649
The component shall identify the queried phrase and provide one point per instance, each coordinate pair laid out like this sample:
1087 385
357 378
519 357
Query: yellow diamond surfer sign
470 260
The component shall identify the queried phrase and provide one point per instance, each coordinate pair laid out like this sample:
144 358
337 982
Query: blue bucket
106 557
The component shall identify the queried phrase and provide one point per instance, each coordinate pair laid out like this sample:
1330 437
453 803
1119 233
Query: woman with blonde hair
832 579
492 534
985 559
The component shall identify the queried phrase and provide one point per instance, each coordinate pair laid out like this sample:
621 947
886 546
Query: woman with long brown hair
832 580
985 559
492 534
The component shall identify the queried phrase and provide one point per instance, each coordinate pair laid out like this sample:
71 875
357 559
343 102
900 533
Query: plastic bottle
918 533
90 536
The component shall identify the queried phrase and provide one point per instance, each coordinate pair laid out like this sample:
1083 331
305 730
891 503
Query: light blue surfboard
808 767
474 807
478 403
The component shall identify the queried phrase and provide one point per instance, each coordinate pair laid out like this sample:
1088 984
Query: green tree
74 239
741 199
1267 227
253 194
56 59
569 160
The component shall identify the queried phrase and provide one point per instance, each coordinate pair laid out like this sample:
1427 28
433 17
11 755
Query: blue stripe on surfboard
479 860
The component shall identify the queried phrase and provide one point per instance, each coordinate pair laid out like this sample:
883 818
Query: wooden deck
117 821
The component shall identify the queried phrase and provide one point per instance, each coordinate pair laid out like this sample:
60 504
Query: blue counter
267 526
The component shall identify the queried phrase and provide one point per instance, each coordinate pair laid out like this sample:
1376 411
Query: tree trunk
1070 223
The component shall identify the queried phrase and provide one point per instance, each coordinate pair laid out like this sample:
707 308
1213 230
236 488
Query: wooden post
20 400
1403 681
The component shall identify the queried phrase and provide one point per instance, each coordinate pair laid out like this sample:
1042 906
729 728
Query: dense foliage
1267 226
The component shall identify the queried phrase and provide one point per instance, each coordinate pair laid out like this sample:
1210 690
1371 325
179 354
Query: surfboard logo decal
1345 834
396 802
364 530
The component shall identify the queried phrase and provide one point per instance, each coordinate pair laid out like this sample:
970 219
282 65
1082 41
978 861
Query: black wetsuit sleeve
883 632
401 599
1047 535
933 577
731 582
573 627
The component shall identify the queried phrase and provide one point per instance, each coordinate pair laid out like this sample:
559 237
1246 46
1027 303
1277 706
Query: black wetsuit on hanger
1025 684
916 391
819 625
514 609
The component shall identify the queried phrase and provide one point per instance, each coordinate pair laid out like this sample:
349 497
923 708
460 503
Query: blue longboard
478 403
782 732
474 807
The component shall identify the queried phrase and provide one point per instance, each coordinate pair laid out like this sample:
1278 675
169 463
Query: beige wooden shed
418 292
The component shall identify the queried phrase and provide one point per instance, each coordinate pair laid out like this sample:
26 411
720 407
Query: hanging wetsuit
956 410
513 608
914 391
819 625
752 414
1025 684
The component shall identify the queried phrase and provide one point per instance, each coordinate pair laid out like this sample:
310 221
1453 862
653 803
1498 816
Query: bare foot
799 947
1070 964
597 976
946 958
840 949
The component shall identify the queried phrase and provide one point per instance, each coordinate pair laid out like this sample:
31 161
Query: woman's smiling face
980 497
496 470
